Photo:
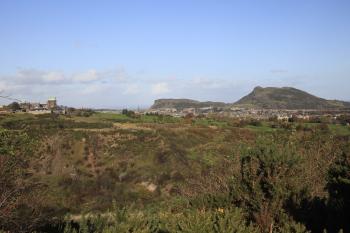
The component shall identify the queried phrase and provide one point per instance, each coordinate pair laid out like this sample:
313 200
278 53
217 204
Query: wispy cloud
208 83
88 76
92 89
34 76
160 88
38 77
131 89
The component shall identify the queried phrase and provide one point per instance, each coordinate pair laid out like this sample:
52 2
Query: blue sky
128 53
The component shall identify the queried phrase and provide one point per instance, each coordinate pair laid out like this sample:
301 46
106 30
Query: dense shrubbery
49 121
338 187
268 178
253 177
24 204
191 221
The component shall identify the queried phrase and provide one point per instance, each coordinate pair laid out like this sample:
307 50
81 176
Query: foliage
14 106
169 174
128 113
266 181
338 187
191 221
23 204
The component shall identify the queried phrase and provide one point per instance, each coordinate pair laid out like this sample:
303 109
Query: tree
128 113
14 106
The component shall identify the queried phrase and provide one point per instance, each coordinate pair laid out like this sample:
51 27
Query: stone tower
52 103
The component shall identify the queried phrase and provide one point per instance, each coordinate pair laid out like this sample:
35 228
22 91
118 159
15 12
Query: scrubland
106 172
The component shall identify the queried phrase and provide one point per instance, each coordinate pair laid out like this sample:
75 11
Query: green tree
128 113
14 106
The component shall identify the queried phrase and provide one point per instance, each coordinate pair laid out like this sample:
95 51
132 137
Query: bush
338 187
123 220
267 179
23 202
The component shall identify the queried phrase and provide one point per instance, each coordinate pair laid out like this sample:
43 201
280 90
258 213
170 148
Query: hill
287 98
180 104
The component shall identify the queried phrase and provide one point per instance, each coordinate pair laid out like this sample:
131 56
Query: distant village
50 106
244 113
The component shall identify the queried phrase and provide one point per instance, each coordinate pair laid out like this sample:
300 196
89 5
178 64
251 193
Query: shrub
266 181
338 187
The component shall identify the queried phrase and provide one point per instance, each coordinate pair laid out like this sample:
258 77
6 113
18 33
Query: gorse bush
268 176
338 187
191 221
23 201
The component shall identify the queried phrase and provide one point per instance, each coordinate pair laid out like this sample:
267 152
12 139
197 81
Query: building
52 103
2 109
26 106
189 111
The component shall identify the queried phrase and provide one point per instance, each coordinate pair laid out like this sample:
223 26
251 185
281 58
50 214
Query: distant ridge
261 98
286 98
180 104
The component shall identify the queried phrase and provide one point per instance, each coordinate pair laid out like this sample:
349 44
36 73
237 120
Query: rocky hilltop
286 98
261 98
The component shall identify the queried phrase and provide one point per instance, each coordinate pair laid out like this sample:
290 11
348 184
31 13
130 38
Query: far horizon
11 99
120 54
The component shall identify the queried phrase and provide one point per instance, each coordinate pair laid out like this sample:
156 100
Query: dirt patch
131 126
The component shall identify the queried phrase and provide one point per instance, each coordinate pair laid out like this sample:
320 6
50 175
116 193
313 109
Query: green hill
287 98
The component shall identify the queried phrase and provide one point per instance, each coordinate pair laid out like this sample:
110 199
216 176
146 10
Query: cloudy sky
116 54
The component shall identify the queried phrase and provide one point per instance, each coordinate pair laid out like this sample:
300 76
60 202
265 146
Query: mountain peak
286 98
257 88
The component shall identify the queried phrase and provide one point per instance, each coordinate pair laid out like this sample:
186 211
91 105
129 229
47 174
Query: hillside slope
286 98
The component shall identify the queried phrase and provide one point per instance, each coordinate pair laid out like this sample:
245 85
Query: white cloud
30 77
88 76
131 89
160 88
34 76
53 77
92 89
120 74
208 83
3 86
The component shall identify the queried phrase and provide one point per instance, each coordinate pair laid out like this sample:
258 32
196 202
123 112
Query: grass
210 122
263 128
121 118
15 117
338 129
